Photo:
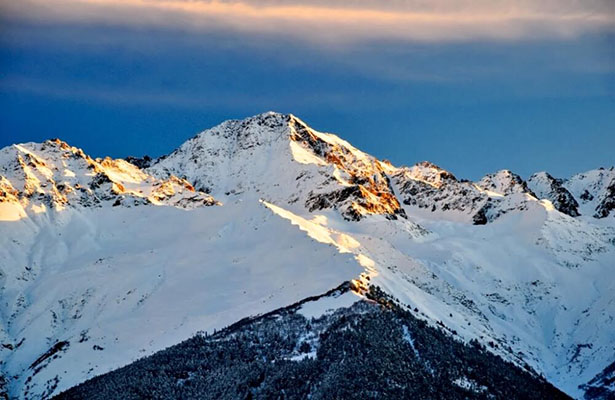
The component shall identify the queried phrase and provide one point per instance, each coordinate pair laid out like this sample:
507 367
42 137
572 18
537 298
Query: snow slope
119 283
534 283
295 213
86 266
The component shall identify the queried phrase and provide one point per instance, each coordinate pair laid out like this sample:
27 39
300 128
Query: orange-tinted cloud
335 22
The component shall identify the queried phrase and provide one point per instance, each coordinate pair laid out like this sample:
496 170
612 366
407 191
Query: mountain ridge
423 179
487 260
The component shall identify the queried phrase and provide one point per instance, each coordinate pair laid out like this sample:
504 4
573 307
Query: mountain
365 349
279 158
116 260
547 187
595 191
427 187
53 175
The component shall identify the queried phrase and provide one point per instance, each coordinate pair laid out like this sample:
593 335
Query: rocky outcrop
607 204
547 187
141 162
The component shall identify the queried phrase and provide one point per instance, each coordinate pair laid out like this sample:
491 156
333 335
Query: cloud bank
338 21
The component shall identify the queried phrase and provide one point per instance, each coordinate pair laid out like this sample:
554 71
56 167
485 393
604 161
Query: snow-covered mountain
547 187
594 191
427 187
279 158
53 175
89 282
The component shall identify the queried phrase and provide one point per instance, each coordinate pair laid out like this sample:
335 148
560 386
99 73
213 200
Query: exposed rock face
141 162
607 204
547 187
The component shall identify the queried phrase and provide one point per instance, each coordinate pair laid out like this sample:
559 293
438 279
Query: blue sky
473 88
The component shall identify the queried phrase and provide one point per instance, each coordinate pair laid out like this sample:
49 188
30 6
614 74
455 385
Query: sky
473 86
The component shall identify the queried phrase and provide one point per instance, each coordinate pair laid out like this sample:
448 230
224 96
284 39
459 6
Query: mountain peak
279 158
504 182
547 187
429 173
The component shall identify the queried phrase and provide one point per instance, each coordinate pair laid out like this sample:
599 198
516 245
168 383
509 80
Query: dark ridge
141 162
602 386
371 350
